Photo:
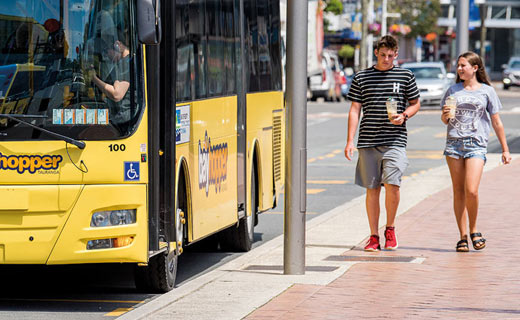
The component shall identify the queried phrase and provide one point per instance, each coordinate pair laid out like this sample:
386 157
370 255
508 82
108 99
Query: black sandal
462 245
478 244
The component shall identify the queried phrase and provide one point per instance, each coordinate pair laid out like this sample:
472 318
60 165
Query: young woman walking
477 107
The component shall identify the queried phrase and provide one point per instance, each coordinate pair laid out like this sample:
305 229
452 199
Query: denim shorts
465 148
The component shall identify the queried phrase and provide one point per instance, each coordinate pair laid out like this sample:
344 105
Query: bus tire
161 272
159 275
241 238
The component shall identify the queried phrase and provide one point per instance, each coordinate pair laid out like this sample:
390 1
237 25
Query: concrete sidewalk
445 285
424 278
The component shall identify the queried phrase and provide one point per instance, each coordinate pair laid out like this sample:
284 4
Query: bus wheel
241 238
159 275
180 222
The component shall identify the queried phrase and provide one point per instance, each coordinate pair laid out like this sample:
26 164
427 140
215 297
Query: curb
415 189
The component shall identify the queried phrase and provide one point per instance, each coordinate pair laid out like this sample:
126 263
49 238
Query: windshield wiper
14 117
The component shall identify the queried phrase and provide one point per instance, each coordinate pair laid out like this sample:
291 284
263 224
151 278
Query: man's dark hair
387 41
122 35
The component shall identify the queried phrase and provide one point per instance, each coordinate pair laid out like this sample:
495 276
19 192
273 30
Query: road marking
414 131
118 312
74 300
314 191
440 135
278 212
326 115
328 155
425 154
327 181
421 172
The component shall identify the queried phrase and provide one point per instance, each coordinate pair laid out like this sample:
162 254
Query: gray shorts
383 164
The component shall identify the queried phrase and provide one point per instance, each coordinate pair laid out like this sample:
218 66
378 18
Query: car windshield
426 72
515 64
71 65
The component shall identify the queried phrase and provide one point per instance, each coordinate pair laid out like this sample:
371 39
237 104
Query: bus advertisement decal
31 163
182 124
212 164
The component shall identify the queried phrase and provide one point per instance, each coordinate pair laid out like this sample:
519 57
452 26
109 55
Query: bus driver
117 83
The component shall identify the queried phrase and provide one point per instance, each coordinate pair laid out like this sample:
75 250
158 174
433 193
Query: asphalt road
98 292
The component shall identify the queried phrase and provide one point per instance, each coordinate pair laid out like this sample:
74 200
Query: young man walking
382 136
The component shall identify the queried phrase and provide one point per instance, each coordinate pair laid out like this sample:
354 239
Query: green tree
346 52
334 6
421 16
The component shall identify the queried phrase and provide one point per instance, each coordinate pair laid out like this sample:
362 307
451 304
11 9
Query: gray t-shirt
474 108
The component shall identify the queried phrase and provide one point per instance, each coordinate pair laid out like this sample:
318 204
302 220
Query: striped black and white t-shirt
371 88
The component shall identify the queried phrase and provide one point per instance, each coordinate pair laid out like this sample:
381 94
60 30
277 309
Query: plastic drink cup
391 107
451 102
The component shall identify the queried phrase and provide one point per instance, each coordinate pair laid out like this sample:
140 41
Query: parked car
326 84
511 73
344 84
322 84
348 74
432 80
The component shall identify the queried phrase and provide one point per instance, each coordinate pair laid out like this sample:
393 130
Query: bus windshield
70 64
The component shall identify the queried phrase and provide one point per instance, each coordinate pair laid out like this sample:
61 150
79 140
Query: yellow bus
130 129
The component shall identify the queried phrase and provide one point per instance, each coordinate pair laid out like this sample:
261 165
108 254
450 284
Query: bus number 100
117 147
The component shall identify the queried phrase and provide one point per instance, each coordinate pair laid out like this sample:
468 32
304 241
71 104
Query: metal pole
295 138
462 26
483 31
364 33
384 14
370 37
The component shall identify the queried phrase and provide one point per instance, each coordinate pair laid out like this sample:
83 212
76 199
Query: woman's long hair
474 60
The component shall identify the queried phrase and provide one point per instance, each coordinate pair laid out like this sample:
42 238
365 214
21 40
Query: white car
432 81
511 73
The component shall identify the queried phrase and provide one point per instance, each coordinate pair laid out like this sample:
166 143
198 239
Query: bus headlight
113 218
118 242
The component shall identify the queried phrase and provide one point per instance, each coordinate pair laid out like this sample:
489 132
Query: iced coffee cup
451 102
391 108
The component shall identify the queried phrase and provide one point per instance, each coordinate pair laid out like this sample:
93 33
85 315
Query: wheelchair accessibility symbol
131 171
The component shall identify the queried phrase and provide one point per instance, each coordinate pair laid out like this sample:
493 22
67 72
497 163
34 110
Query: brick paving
446 285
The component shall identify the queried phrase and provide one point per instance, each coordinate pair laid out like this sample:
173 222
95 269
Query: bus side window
229 46
275 48
183 46
251 44
264 56
197 33
216 86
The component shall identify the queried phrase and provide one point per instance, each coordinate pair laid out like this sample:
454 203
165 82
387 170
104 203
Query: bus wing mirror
149 21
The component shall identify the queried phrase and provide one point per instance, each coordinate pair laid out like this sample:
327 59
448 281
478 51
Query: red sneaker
391 239
373 243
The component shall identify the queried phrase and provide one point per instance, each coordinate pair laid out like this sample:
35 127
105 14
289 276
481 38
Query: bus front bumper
59 230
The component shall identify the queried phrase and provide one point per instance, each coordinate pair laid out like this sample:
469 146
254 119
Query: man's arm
114 92
353 120
412 109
